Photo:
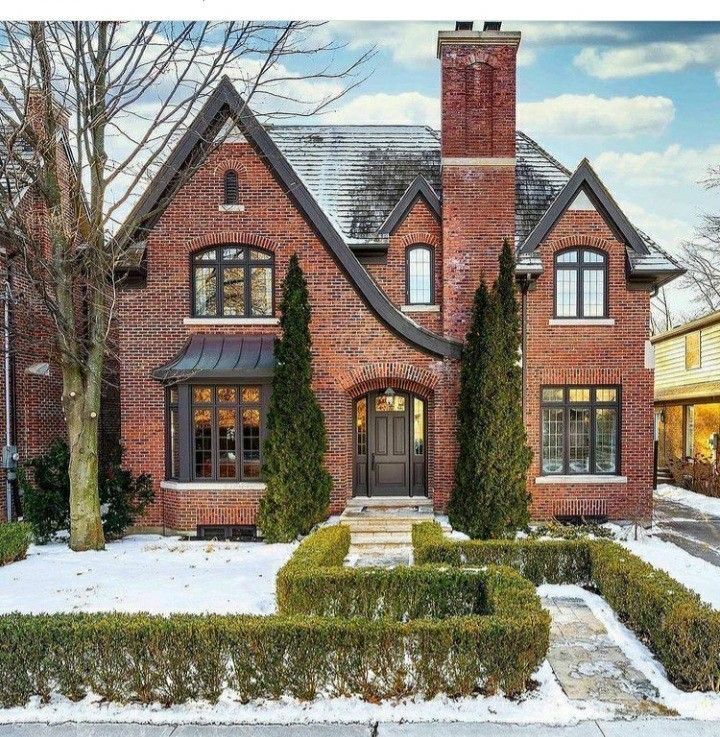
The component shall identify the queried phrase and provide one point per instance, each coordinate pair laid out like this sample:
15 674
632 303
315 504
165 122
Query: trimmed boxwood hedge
682 631
14 541
496 639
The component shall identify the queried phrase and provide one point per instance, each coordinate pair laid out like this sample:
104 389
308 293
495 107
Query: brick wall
572 354
347 336
420 226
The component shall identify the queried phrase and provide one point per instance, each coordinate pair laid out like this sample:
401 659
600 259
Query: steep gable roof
224 103
585 180
420 187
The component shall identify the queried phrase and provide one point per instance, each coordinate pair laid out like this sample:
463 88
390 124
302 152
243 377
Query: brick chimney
478 160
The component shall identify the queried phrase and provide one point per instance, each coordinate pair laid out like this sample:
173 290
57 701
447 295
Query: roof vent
463 25
492 25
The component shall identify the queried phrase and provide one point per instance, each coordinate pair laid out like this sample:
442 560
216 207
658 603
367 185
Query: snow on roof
359 173
13 179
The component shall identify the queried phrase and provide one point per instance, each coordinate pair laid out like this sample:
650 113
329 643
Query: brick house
30 382
394 227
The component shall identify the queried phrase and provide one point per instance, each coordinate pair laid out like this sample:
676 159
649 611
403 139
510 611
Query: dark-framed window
419 276
231 188
215 431
580 430
233 281
581 289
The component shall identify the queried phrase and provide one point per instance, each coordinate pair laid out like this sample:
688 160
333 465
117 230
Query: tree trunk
86 532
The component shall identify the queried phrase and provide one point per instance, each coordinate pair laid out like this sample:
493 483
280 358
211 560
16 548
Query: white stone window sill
220 321
213 485
420 308
578 479
587 321
231 208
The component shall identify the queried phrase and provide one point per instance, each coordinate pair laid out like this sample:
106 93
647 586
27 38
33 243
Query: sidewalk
637 728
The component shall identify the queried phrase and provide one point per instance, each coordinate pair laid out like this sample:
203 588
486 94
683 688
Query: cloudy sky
640 100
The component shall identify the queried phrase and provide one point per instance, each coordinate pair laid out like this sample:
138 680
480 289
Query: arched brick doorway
390 444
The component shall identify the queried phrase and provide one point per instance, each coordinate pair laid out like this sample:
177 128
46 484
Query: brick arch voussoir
403 377
229 164
420 237
577 240
232 236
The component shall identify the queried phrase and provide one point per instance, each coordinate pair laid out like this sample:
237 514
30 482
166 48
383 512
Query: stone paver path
590 666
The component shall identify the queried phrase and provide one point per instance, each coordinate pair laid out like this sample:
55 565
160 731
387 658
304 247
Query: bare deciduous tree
88 112
702 255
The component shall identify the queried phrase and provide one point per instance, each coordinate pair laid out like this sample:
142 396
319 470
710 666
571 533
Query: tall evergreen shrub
298 485
489 498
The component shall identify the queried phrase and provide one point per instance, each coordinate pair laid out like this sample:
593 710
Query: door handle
372 462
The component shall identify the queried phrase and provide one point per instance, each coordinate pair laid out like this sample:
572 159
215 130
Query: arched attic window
419 275
581 289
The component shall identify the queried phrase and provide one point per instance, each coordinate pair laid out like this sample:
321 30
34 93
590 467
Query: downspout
524 287
6 297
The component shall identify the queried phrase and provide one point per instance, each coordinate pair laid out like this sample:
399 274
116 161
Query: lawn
145 573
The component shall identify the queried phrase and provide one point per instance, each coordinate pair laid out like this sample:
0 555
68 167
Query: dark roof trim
586 180
225 95
221 357
420 187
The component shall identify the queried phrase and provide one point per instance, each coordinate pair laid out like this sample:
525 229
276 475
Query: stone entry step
381 528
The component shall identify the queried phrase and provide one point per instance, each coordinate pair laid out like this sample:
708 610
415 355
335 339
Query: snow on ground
705 504
145 573
688 705
695 573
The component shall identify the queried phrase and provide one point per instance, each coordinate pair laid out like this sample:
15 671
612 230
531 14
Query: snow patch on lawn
547 705
145 573
705 504
689 705
695 573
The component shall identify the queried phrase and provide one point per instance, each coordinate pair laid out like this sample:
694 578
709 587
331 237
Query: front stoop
381 529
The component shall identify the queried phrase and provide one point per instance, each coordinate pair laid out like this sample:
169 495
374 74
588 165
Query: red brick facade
354 350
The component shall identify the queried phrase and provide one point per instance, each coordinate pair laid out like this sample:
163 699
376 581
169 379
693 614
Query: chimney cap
463 25
492 25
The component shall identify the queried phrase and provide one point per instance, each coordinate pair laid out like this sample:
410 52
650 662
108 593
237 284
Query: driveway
696 532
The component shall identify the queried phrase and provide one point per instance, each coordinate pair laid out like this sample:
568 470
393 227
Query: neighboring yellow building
687 390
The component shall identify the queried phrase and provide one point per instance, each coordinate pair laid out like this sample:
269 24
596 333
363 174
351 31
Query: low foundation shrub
382 634
682 631
14 541
550 561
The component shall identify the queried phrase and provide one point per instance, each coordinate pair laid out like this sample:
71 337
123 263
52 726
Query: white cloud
590 115
675 165
414 43
649 58
404 108
668 231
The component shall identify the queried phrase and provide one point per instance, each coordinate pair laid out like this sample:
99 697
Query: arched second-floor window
232 281
581 283
231 188
419 275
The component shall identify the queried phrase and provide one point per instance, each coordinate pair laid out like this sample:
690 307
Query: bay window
215 432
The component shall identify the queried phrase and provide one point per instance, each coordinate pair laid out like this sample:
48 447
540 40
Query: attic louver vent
232 191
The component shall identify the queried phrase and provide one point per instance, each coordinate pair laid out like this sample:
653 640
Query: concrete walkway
590 666
637 728
695 532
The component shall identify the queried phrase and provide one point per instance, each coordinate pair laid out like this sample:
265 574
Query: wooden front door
389 444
